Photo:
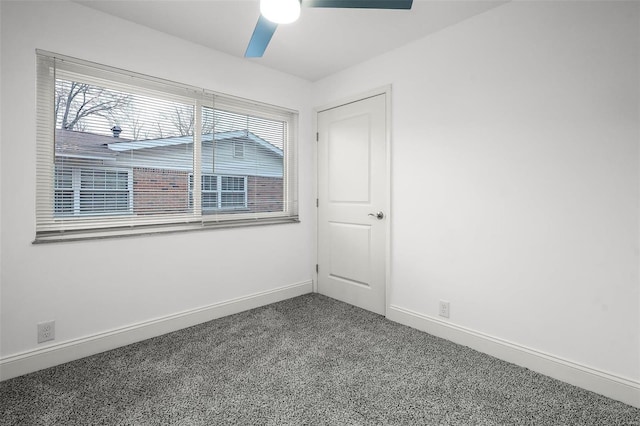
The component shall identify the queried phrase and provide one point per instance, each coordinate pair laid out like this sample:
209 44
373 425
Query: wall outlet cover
46 331
443 310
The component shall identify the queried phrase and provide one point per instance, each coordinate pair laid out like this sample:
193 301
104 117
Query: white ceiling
321 42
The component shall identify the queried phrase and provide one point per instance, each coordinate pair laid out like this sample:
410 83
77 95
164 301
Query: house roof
70 143
90 145
180 140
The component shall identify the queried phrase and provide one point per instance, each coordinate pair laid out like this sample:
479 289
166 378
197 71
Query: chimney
116 131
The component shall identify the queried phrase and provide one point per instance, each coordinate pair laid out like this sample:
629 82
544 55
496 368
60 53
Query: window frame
51 227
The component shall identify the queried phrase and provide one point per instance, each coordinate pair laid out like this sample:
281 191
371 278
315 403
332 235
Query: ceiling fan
274 12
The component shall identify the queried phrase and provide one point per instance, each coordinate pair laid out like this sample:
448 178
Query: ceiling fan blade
360 4
261 37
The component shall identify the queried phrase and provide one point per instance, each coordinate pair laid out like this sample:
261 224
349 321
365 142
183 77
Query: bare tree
183 120
136 128
128 119
208 121
81 106
159 131
74 102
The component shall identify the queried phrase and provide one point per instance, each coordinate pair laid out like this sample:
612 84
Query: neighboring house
98 174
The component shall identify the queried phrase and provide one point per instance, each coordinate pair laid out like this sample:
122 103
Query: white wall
515 170
96 286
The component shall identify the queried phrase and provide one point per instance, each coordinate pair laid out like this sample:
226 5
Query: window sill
108 233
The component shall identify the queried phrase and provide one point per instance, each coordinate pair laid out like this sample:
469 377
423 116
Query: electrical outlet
444 309
46 331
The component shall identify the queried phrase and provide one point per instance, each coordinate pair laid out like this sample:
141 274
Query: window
91 191
222 192
232 192
238 149
210 193
121 153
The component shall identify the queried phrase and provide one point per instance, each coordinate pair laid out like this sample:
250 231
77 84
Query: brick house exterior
265 194
160 188
160 173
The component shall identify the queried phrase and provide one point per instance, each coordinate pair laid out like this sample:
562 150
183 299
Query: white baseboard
34 360
611 386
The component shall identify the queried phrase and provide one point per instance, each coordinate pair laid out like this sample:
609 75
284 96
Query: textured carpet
309 360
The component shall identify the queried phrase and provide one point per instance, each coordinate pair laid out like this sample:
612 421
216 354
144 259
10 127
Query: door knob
378 215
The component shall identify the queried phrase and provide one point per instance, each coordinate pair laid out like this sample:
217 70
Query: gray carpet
309 360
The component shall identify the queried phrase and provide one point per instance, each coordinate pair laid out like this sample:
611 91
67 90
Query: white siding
257 161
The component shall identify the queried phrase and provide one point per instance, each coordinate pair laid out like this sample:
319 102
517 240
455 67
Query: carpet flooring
310 360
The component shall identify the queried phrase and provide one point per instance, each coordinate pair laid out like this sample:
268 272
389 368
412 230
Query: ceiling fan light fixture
280 11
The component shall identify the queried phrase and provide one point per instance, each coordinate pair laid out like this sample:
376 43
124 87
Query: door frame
384 90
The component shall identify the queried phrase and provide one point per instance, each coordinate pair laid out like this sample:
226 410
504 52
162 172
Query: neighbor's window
121 153
238 149
91 191
222 192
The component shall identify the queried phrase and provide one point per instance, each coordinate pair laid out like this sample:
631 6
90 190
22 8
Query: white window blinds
122 153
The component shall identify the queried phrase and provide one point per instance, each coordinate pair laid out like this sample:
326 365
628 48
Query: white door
352 203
